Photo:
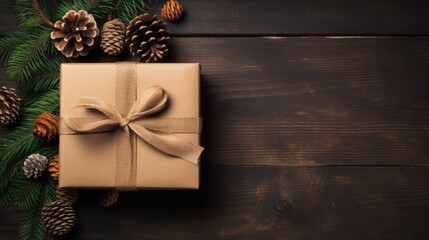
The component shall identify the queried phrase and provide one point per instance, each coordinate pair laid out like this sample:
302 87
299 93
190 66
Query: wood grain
288 17
312 100
8 18
270 203
304 17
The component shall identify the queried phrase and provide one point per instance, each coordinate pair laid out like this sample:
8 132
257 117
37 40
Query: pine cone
172 10
108 198
113 37
67 195
35 165
59 217
10 105
147 38
75 33
53 167
45 127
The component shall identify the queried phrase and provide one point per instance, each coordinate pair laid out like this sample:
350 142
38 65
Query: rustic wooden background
316 126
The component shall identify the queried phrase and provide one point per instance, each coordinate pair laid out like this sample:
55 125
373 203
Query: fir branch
45 19
29 56
8 176
5 198
98 8
26 192
129 9
11 40
47 76
6 181
32 225
42 82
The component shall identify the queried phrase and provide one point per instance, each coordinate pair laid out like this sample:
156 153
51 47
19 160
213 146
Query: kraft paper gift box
163 98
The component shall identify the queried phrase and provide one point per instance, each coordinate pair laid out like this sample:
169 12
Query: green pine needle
27 58
32 225
98 8
10 41
129 9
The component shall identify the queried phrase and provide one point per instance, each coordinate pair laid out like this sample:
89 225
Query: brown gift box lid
87 160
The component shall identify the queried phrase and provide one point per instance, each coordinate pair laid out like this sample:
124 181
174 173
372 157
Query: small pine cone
35 165
67 195
113 37
59 217
45 127
53 167
108 198
147 38
172 10
75 33
10 105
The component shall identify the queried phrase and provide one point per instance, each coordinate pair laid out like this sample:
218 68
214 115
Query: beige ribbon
134 121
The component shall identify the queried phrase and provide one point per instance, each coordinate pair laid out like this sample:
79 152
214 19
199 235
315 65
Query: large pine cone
10 105
35 165
113 37
147 38
67 195
108 198
75 33
45 127
172 10
59 217
53 167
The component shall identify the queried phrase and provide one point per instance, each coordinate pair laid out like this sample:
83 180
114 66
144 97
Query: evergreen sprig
34 64
129 9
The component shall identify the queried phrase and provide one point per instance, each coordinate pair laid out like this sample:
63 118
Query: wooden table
316 126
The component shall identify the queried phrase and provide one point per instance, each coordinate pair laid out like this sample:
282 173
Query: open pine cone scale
147 38
75 33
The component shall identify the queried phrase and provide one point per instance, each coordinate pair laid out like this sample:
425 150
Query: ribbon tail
170 144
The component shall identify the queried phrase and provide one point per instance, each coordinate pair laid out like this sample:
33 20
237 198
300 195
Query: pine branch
45 19
32 225
11 40
47 76
98 8
7 180
129 9
25 192
29 56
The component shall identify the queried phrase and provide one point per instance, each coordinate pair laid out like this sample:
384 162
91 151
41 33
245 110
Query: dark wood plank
270 203
304 17
288 17
9 223
314 100
8 18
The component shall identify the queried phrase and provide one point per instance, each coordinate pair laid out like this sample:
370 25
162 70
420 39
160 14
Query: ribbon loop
152 101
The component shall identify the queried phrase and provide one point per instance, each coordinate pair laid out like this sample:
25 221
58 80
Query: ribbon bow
155 133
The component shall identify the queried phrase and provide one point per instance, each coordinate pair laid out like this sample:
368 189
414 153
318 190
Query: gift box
129 126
